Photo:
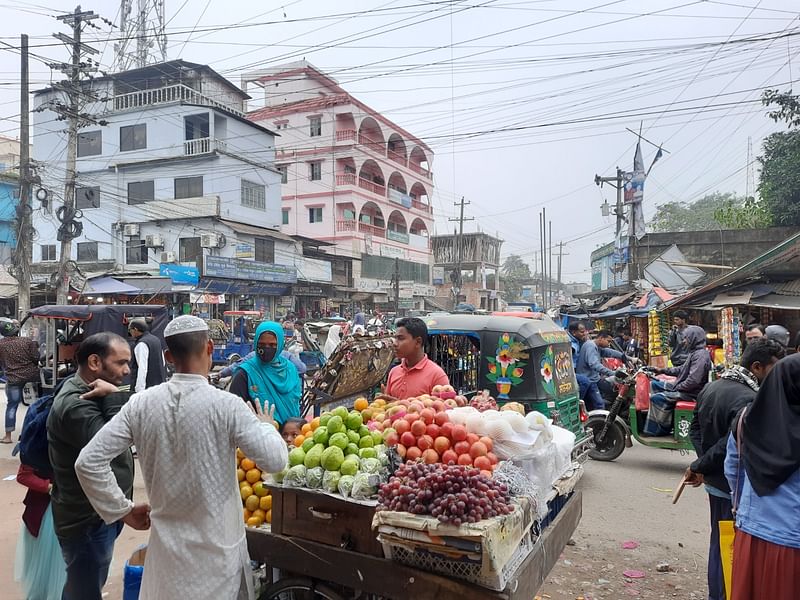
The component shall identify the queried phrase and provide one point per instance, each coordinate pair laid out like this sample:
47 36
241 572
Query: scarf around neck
741 375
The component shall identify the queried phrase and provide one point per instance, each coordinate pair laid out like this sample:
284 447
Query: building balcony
346 179
203 146
372 230
345 225
353 137
419 170
346 135
397 236
396 157
171 94
371 186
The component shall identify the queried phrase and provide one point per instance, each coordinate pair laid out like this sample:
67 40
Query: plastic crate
569 413
553 508
467 567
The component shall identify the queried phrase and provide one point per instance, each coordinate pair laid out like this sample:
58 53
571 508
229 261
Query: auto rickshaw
61 329
239 328
526 360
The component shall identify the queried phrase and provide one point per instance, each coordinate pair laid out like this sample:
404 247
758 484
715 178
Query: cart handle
320 515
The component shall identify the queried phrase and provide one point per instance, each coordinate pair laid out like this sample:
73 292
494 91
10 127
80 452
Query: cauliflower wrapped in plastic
330 481
314 478
365 485
296 476
346 485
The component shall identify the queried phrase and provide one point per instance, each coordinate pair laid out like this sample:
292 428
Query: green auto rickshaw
518 359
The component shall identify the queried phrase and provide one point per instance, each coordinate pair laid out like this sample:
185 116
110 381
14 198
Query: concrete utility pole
560 254
550 259
396 281
459 249
72 112
619 183
22 255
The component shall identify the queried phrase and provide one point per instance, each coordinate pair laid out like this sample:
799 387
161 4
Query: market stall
415 498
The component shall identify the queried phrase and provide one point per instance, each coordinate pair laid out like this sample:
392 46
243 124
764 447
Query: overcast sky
523 102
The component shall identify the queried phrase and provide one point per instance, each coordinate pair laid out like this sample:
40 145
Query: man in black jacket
147 367
718 406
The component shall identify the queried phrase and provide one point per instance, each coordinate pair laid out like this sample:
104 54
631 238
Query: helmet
8 328
778 333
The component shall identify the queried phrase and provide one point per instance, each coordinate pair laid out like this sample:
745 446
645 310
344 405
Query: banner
634 195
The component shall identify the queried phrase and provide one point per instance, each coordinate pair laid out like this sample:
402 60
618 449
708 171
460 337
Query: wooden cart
333 572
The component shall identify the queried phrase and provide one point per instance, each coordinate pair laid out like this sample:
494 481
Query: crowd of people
80 492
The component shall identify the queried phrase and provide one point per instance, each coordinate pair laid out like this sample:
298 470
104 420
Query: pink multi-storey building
350 177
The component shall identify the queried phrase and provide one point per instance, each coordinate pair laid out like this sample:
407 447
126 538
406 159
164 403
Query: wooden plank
359 571
549 547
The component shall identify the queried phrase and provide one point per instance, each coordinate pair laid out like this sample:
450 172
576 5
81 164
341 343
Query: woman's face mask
266 354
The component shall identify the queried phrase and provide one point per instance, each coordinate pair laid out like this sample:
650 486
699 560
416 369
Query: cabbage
278 477
296 477
365 485
370 465
314 478
330 481
346 485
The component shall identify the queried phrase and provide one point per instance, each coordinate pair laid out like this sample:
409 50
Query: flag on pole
634 194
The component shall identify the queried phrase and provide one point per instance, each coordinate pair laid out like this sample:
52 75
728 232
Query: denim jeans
88 557
13 398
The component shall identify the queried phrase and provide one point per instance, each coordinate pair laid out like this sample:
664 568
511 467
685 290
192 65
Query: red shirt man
416 374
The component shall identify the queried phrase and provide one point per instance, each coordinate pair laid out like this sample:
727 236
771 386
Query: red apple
441 418
472 438
430 456
408 439
459 433
448 456
492 457
411 417
446 430
424 442
413 453
390 437
452 404
438 406
441 444
464 459
432 430
486 441
427 415
482 463
461 447
401 426
418 428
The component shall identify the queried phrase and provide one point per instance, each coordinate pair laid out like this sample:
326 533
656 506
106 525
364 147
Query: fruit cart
327 546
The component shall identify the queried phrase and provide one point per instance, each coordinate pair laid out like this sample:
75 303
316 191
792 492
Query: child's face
290 431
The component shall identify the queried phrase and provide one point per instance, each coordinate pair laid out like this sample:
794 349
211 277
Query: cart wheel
299 589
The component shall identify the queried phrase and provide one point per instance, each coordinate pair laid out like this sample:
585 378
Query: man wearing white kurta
186 432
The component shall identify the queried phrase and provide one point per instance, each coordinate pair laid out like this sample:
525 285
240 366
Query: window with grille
315 215
315 171
315 126
135 252
90 143
140 192
188 187
87 251
133 137
284 217
87 197
189 249
254 195
265 250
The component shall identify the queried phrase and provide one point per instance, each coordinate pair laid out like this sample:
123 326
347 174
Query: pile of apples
420 428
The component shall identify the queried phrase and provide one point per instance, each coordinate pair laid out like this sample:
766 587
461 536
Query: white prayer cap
185 324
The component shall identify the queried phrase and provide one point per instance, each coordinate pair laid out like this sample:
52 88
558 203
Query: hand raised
100 388
139 517
265 417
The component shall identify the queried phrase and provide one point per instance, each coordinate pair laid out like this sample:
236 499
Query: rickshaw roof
530 329
84 312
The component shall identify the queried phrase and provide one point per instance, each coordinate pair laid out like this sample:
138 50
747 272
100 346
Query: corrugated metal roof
787 288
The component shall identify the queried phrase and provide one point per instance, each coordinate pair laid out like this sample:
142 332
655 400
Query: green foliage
701 215
513 274
779 182
751 214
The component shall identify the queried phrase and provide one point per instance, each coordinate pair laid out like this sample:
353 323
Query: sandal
6 441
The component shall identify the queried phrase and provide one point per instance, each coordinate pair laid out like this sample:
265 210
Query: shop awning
108 285
230 286
257 231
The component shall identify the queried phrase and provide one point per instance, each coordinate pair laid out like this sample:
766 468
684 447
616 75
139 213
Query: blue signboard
179 274
248 270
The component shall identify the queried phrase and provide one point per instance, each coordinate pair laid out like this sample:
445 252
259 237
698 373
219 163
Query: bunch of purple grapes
453 494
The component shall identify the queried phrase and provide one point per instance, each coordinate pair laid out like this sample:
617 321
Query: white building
175 181
351 178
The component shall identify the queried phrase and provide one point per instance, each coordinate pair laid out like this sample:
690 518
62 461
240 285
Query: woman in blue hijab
269 377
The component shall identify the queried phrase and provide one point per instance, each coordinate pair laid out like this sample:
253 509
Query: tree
779 181
700 215
513 274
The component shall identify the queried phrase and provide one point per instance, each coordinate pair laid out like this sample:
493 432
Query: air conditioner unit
168 257
154 241
131 229
210 240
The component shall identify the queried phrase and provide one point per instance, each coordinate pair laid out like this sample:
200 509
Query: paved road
629 499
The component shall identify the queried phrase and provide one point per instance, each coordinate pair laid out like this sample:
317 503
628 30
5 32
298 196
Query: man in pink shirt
416 374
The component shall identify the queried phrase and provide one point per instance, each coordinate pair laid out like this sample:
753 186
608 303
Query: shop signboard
393 251
179 274
245 251
307 290
233 268
313 269
406 289
426 291
438 275
380 286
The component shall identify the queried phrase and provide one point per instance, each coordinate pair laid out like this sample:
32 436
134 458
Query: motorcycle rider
691 377
590 365
715 414
577 332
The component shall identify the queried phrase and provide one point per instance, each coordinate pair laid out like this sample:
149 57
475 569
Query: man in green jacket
85 403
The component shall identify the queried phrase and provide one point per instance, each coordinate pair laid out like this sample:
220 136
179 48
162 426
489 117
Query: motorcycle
613 430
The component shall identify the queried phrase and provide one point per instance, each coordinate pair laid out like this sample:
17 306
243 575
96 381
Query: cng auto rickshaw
61 328
239 328
525 360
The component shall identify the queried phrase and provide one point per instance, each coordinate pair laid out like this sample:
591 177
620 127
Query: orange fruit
269 516
305 428
240 474
314 423
260 490
247 514
360 404
247 464
298 441
261 515
239 454
246 491
253 475
251 503
265 503
254 522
